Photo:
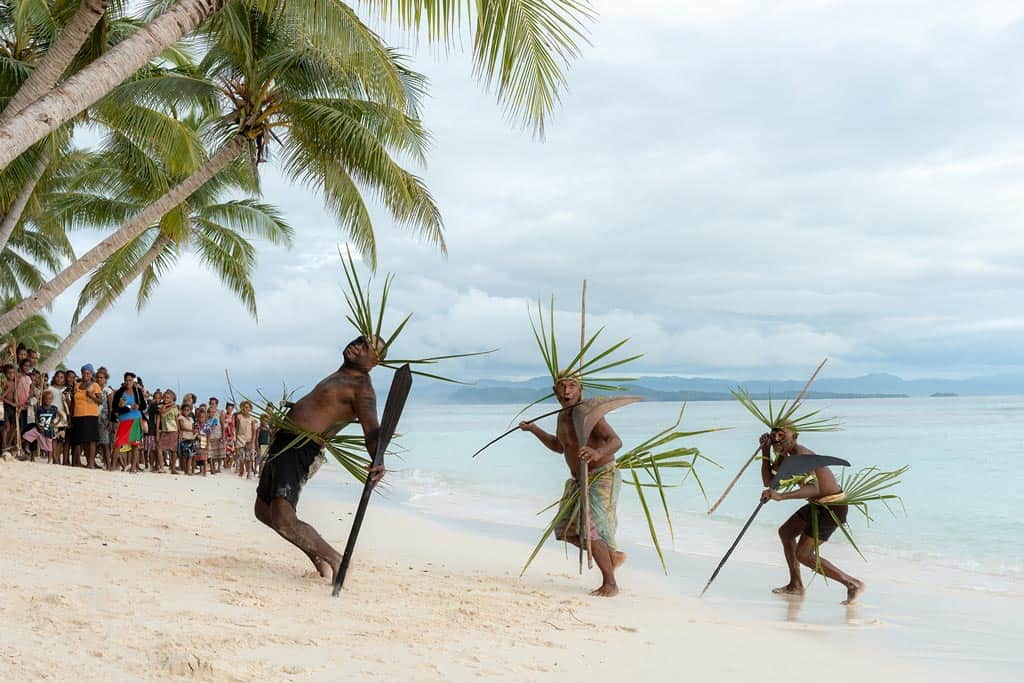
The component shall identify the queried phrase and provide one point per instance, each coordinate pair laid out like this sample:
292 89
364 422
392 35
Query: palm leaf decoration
645 465
348 450
867 485
583 371
370 322
786 416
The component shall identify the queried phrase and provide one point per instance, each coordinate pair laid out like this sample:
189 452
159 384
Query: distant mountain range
878 385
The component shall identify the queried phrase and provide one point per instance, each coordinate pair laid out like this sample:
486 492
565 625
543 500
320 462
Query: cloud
747 187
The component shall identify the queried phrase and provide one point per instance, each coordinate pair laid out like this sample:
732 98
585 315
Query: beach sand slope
144 577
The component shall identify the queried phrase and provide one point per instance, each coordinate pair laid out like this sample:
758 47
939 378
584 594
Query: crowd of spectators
81 420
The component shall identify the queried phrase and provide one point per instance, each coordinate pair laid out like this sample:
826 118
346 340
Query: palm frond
368 320
587 372
786 416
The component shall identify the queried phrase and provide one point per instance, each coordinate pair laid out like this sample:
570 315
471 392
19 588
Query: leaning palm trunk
61 104
56 60
17 207
86 323
142 221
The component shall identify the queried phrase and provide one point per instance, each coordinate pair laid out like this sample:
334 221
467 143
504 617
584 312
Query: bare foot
325 569
789 589
606 591
854 592
618 559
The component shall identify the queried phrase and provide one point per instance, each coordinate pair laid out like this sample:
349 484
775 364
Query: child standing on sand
246 428
216 435
187 439
228 425
202 429
167 430
42 434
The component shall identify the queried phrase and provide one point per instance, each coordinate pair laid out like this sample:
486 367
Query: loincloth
605 484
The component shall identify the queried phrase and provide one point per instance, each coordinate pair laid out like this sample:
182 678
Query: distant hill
877 385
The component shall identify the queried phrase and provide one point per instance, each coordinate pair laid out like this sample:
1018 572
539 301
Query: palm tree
520 47
337 120
26 30
34 332
61 46
41 238
217 230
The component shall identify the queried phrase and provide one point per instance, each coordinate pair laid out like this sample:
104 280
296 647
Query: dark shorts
8 414
826 525
287 470
84 429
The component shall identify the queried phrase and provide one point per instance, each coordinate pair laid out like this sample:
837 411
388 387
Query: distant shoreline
496 396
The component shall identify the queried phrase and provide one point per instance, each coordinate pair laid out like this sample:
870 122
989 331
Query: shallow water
947 571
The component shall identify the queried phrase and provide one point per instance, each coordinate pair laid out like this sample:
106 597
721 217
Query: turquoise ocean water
959 494
950 568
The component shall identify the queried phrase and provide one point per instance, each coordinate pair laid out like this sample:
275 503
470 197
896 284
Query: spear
758 449
581 440
516 428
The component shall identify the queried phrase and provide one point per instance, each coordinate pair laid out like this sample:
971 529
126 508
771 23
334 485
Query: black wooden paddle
791 466
399 391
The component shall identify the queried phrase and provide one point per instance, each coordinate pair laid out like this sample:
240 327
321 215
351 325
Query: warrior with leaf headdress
307 427
813 523
597 449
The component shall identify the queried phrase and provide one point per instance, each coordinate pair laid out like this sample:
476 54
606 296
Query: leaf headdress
583 371
370 323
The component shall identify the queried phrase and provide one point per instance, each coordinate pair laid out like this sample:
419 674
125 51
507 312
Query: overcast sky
747 186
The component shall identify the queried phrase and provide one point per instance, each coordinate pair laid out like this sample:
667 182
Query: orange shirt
85 406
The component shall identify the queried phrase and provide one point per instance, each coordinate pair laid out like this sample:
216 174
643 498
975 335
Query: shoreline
150 577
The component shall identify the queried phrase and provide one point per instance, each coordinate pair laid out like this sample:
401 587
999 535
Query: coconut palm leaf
369 323
520 47
547 344
866 486
786 415
35 332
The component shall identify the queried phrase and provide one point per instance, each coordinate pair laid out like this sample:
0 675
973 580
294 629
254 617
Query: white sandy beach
149 577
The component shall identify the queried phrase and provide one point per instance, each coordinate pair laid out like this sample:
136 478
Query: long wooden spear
758 449
584 518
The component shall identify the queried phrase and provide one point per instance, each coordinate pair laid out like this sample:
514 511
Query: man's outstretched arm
549 440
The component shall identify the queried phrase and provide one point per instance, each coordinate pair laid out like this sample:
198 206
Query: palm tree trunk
142 220
82 90
86 323
13 215
56 60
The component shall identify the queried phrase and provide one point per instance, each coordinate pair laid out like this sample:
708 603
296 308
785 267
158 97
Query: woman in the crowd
61 423
129 404
85 411
106 391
